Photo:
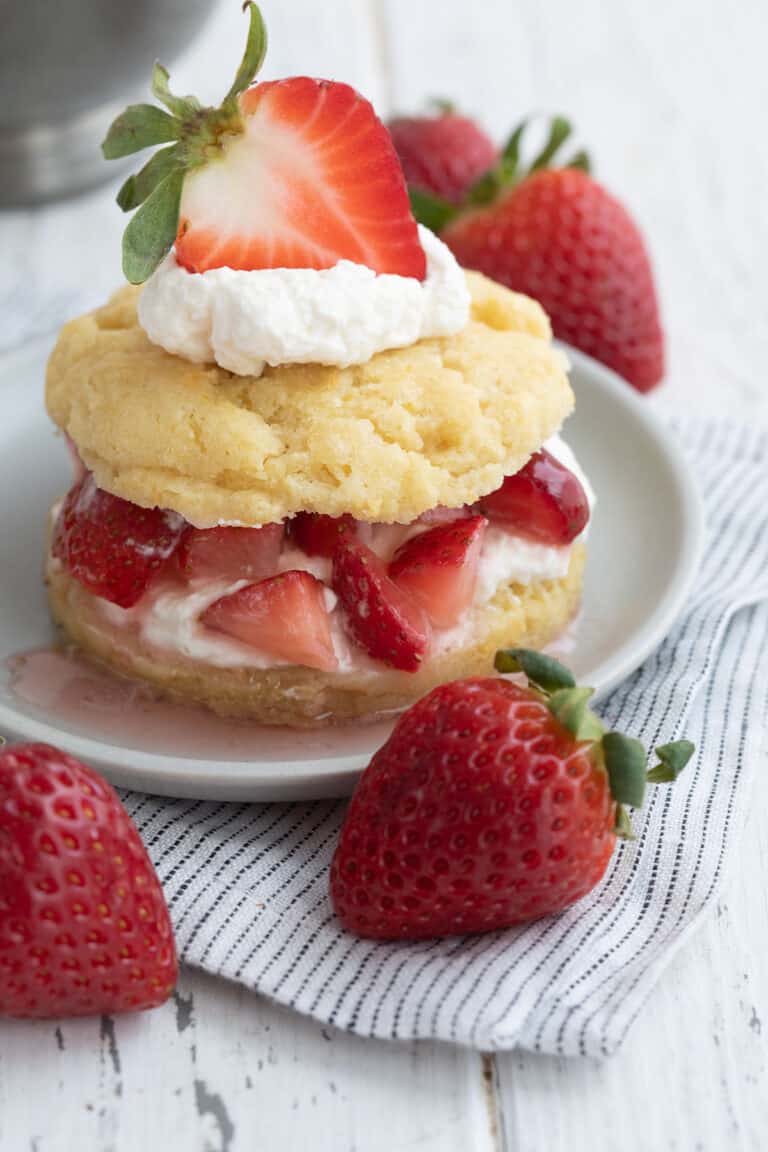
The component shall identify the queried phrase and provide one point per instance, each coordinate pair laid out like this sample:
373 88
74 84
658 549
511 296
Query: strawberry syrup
66 690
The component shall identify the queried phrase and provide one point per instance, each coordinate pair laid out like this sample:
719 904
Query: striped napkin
247 884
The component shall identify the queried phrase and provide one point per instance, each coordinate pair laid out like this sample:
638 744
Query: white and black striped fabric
248 884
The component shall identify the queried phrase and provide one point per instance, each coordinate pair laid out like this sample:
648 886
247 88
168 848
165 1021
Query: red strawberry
294 173
312 179
84 929
544 501
383 619
284 617
232 553
318 535
442 154
439 568
560 237
490 803
114 548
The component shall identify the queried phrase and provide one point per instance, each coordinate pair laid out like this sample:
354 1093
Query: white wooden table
671 97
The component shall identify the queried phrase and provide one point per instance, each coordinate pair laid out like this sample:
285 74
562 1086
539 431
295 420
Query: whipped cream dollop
168 617
339 316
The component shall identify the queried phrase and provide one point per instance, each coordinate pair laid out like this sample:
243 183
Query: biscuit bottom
519 616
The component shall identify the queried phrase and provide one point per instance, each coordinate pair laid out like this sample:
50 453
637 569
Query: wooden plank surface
692 1073
220 1069
671 98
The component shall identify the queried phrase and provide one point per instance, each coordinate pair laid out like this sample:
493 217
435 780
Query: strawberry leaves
253 57
436 213
139 126
544 671
624 757
672 759
179 106
137 188
431 211
195 132
625 761
150 235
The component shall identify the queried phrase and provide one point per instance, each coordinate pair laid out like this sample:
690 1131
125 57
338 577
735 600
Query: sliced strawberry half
233 553
112 547
381 617
318 535
294 173
544 501
439 568
284 617
312 179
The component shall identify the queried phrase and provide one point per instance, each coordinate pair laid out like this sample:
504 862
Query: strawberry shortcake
318 465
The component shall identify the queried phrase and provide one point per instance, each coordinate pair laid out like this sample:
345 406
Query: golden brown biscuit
519 615
438 423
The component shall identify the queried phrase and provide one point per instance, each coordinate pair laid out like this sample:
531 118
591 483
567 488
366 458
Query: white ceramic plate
643 551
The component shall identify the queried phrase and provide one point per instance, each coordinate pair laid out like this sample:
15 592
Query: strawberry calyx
435 213
197 134
624 758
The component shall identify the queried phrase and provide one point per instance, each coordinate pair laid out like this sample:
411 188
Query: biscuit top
438 423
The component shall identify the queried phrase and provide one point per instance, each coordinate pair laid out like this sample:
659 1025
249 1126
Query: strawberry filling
544 502
284 616
235 553
438 568
289 591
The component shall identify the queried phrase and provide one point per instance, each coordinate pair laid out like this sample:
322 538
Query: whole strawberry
558 235
491 803
443 154
114 548
84 929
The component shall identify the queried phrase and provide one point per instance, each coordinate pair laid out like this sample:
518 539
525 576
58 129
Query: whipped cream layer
167 619
339 316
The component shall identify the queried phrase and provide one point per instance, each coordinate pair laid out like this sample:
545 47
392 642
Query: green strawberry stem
197 134
436 213
625 759
430 210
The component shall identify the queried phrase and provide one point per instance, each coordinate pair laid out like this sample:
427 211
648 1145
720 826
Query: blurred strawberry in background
443 154
552 232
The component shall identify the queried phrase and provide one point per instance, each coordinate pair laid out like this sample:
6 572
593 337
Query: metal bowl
66 69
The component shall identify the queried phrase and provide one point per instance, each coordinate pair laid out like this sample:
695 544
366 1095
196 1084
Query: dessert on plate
318 466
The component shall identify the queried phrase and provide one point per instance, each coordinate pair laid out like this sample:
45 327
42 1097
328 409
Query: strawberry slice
318 535
384 620
294 173
439 568
114 548
311 179
236 553
544 502
284 617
